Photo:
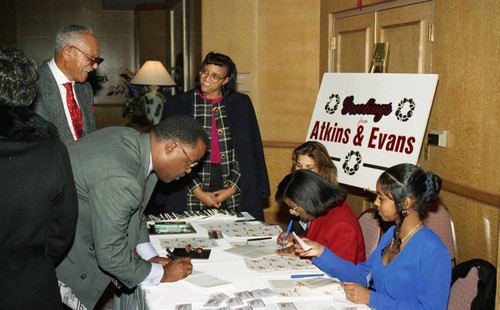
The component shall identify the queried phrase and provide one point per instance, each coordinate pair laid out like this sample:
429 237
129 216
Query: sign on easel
370 122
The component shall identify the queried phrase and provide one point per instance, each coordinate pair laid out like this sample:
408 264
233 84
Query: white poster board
370 122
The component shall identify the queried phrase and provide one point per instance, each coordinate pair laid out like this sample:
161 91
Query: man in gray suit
76 54
115 171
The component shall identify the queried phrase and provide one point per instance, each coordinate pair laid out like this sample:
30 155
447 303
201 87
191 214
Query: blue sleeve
344 270
432 282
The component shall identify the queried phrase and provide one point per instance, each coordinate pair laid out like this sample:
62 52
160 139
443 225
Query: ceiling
126 4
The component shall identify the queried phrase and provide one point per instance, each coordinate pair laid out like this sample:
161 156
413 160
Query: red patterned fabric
74 110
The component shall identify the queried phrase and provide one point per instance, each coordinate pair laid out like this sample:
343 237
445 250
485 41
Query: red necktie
74 110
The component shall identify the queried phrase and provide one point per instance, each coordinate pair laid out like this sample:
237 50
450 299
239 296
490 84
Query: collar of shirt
58 74
150 168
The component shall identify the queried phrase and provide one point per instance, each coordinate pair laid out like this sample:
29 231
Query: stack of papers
275 263
199 242
237 229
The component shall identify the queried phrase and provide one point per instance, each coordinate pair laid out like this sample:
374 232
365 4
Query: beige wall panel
466 58
476 227
354 48
466 102
288 67
228 27
277 42
153 36
279 164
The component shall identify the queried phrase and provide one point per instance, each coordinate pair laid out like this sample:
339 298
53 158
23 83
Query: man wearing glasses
64 96
115 171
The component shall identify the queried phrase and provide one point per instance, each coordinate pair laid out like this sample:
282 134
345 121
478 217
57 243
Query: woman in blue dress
411 267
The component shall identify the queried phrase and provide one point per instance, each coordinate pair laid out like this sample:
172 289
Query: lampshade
153 72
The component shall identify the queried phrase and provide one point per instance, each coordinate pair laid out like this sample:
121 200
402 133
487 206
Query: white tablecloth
232 268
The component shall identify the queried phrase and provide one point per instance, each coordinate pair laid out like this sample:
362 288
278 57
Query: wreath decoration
330 110
408 114
352 170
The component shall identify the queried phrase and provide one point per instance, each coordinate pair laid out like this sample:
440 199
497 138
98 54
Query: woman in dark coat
38 205
232 175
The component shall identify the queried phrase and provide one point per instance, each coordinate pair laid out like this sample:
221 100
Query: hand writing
177 269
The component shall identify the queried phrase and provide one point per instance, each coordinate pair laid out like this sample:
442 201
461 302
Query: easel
379 60
379 65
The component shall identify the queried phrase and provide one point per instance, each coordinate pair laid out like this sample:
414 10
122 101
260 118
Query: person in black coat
39 206
232 175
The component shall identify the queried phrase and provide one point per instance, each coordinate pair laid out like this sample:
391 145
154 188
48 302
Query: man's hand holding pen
177 269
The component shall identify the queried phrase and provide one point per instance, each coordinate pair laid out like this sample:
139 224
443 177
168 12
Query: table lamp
153 74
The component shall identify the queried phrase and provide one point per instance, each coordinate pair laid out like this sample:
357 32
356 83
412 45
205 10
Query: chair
439 220
473 286
463 291
370 225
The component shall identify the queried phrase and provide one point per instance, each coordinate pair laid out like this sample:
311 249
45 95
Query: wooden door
409 33
407 29
353 43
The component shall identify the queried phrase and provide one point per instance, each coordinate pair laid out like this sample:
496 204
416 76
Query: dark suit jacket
38 212
110 167
248 148
49 105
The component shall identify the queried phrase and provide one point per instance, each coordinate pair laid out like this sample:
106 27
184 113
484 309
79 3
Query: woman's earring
405 212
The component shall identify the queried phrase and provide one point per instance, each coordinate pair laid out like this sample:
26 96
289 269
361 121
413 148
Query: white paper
304 245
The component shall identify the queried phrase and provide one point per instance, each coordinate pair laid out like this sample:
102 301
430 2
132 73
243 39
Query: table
232 268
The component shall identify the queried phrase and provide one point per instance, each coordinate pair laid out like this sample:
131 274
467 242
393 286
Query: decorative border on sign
352 170
330 110
409 114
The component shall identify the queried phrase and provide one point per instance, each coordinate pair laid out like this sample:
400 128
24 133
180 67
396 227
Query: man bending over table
115 171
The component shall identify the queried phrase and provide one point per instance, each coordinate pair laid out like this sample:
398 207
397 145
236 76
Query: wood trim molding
281 145
471 193
447 185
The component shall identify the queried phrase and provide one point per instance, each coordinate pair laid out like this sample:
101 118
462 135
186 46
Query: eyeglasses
293 211
192 164
93 60
213 76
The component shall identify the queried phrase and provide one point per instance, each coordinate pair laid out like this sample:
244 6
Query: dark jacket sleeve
64 206
249 151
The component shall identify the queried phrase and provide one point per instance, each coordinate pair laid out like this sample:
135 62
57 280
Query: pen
298 276
172 256
287 233
257 239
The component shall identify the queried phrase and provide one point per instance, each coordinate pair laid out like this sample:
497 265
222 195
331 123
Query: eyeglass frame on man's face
93 60
214 76
192 163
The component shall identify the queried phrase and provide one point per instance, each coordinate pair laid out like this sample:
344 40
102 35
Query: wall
466 53
8 25
276 42
283 44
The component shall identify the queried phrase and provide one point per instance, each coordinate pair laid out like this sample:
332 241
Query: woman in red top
333 223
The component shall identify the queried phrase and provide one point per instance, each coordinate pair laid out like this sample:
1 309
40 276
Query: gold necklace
407 235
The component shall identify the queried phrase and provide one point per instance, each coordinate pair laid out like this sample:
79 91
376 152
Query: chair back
439 220
463 291
370 225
